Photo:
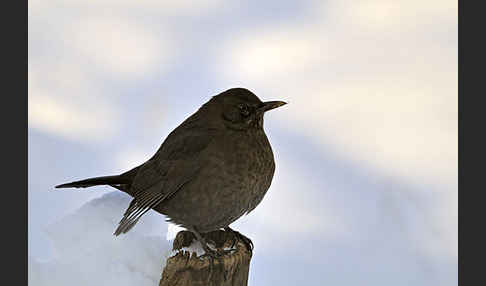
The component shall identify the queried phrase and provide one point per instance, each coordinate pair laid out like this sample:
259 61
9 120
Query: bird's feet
211 253
208 251
237 236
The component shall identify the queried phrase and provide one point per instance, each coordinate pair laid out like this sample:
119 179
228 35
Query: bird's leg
238 236
208 251
212 254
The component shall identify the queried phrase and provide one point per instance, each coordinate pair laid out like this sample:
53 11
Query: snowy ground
86 252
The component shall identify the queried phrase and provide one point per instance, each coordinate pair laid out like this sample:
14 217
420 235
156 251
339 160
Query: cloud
129 159
412 132
273 53
86 252
161 6
336 205
307 216
119 46
71 66
64 119
72 117
386 101
382 15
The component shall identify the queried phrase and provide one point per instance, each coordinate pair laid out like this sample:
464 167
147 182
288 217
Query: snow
87 253
194 247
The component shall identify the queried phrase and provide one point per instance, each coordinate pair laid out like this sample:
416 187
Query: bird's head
242 109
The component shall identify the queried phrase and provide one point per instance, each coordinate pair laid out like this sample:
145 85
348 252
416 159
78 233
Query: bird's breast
236 172
245 167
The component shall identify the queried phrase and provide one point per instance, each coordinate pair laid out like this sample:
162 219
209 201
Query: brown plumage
213 168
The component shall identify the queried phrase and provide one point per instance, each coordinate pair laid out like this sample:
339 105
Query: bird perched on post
213 168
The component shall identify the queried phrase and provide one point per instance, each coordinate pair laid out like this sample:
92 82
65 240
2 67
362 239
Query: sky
365 188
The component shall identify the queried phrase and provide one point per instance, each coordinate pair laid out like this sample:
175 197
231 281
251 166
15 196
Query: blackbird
213 168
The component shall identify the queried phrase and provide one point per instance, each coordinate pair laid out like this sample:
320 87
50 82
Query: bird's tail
105 180
121 182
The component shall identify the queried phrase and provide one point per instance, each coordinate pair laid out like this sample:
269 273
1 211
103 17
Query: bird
215 167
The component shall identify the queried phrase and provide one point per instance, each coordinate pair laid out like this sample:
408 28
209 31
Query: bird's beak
271 105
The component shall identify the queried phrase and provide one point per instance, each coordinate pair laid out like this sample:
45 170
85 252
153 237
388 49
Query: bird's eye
244 109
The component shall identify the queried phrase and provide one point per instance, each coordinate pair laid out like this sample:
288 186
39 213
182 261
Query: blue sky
365 189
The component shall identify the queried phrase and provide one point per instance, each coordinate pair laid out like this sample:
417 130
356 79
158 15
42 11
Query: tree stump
184 268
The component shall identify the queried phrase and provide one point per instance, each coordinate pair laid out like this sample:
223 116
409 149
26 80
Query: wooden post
184 268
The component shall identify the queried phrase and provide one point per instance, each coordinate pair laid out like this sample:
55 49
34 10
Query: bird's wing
175 164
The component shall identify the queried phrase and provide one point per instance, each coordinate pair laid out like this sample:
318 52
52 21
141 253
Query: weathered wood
186 268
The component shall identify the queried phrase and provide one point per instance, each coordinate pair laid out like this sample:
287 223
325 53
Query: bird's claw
211 253
240 237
